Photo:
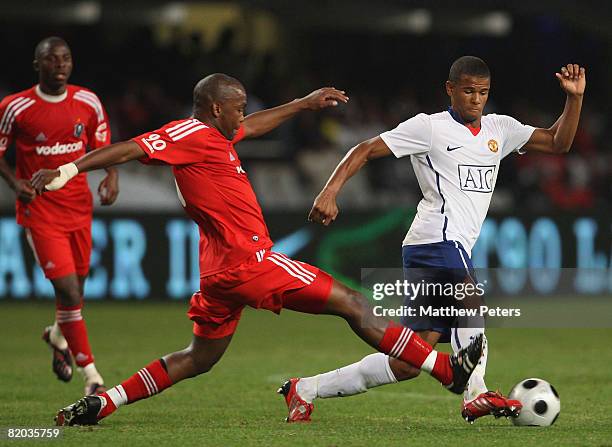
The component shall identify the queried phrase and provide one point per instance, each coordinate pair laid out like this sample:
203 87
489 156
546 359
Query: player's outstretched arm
259 123
115 154
325 210
558 138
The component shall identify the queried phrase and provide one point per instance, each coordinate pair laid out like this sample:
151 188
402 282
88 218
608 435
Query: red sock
74 330
400 342
442 369
150 380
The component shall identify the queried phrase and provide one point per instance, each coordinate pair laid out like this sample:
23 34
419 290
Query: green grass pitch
236 404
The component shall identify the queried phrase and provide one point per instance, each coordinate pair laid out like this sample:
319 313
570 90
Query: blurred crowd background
391 57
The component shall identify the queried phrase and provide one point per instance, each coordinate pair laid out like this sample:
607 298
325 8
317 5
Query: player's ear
216 109
35 65
449 88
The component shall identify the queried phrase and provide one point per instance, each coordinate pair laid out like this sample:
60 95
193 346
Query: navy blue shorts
440 263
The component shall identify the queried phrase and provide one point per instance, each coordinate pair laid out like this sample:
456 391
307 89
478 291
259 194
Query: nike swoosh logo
448 148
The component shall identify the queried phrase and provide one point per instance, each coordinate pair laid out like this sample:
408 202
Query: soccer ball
541 404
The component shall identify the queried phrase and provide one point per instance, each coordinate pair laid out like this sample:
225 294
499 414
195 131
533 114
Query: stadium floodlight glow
87 12
497 23
174 13
418 21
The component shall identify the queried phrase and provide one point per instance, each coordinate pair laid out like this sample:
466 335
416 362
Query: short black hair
48 43
470 66
216 87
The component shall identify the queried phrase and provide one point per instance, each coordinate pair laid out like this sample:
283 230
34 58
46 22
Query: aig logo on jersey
78 129
476 178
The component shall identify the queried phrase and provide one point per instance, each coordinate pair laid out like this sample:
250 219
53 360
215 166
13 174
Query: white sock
430 361
476 384
91 374
118 396
57 338
371 371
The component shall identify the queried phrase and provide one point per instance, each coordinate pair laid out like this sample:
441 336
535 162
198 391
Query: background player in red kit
51 124
237 266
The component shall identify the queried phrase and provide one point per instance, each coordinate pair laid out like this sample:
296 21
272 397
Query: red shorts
61 253
268 280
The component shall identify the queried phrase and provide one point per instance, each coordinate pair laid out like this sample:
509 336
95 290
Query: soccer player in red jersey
237 266
51 124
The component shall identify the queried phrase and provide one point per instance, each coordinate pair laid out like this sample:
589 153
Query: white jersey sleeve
515 134
410 137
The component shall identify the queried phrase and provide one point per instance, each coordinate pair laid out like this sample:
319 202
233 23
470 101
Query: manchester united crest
79 127
493 147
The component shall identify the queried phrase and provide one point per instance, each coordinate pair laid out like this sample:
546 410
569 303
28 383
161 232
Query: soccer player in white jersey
455 155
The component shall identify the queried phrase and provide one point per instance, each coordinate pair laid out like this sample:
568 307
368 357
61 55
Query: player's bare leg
355 309
197 358
389 338
70 329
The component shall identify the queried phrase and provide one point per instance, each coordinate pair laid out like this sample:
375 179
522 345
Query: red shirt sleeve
98 127
177 143
5 131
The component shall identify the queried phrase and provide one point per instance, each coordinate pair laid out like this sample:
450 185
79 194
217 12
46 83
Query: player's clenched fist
24 191
572 79
324 210
108 190
324 97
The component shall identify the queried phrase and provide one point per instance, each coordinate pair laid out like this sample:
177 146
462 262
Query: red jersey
214 190
48 132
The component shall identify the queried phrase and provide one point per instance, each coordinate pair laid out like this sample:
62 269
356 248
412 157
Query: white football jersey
456 171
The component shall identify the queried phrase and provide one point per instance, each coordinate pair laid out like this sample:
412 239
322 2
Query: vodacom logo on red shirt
59 148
